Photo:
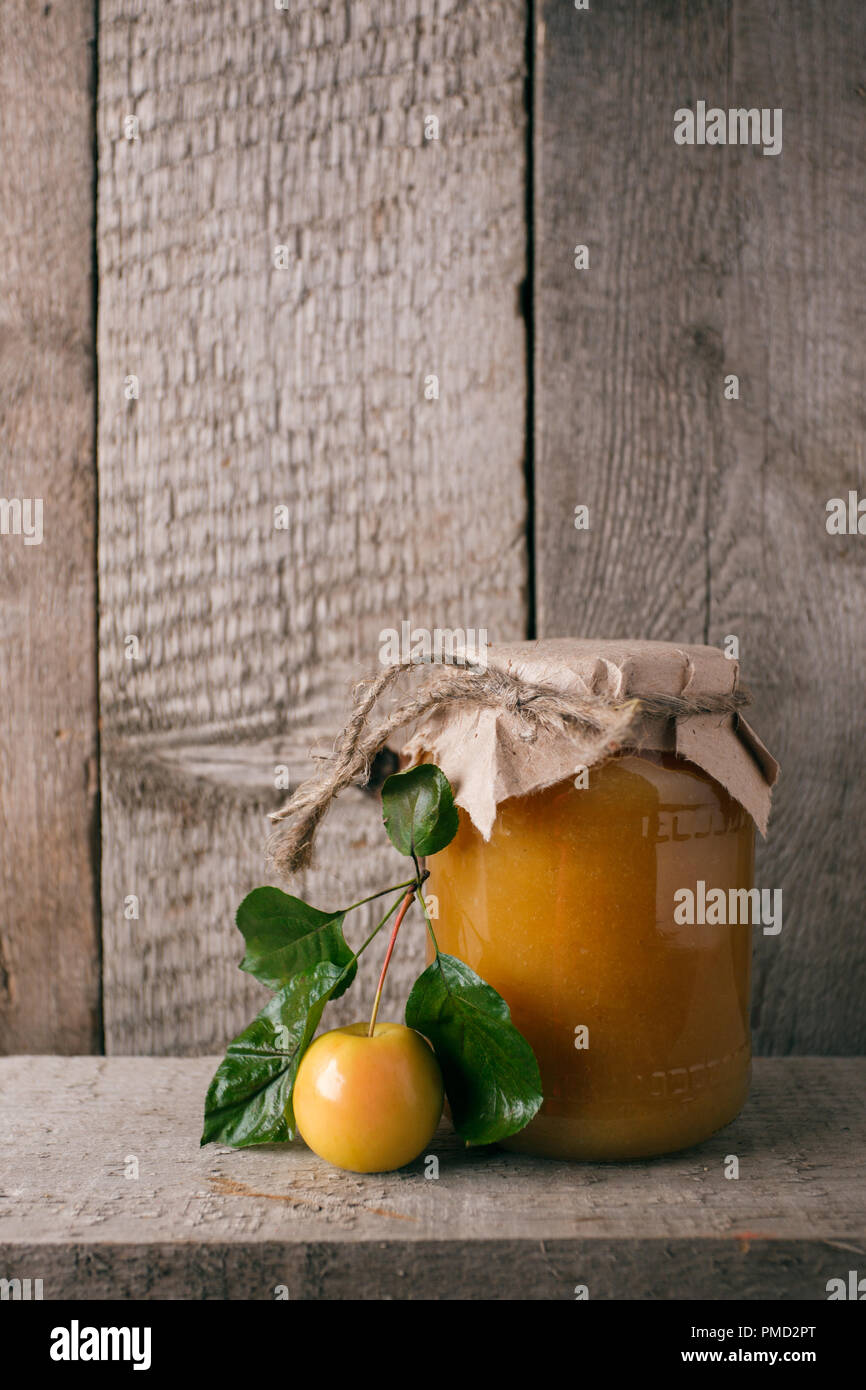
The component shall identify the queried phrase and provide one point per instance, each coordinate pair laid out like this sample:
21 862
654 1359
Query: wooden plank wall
49 958
305 387
301 386
707 515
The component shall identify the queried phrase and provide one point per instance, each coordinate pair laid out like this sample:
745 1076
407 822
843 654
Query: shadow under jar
640 1023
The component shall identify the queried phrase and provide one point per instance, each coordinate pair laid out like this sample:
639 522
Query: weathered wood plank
301 387
49 944
707 515
218 1223
625 367
793 320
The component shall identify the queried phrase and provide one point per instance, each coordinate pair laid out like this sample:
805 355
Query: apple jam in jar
640 1026
565 892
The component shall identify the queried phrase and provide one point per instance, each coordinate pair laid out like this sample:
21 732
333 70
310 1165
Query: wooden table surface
275 1221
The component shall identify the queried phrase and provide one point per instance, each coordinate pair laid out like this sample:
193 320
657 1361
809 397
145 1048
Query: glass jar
640 1025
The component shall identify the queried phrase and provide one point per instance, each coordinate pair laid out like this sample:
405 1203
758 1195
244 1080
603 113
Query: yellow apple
368 1104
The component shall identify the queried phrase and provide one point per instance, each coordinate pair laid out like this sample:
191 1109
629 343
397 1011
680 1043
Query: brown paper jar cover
487 757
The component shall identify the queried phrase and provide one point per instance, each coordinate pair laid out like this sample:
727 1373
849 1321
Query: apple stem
404 908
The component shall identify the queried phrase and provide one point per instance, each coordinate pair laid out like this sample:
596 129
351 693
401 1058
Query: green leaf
490 1072
285 936
418 806
249 1100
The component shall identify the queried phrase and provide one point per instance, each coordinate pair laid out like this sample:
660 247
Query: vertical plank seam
529 321
96 839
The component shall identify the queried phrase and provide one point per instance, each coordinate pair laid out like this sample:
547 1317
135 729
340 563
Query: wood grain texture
625 370
302 387
49 946
221 1223
708 515
793 316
